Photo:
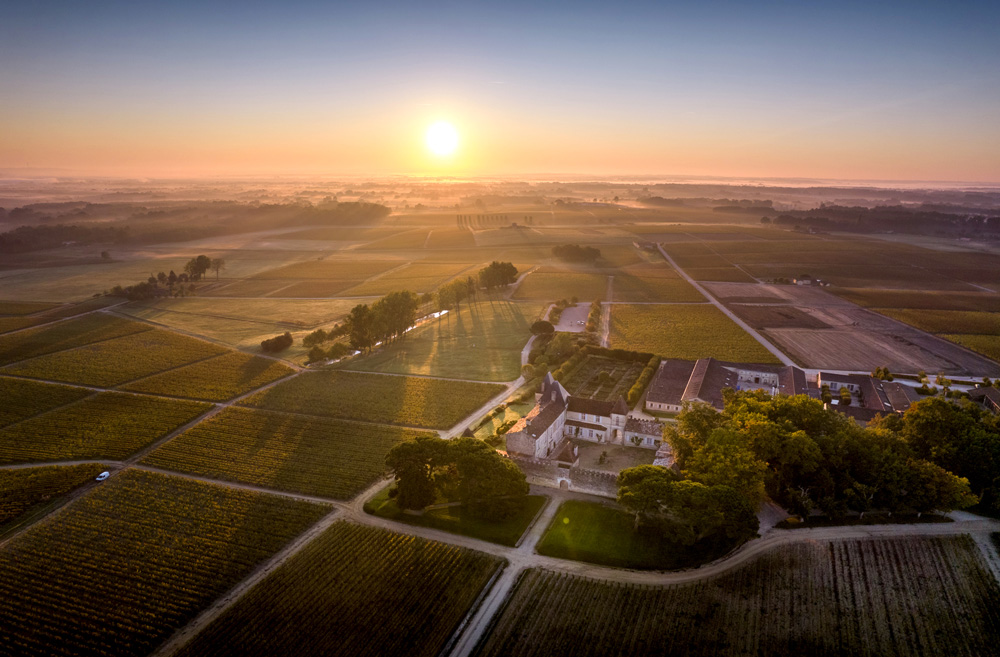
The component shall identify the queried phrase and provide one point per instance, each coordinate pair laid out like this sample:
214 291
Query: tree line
576 253
172 284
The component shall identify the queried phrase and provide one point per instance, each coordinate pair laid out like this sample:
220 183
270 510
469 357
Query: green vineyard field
215 379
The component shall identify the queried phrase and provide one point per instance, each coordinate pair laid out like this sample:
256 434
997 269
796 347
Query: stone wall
541 472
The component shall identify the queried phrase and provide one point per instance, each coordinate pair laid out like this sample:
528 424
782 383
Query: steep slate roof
668 385
900 396
539 418
645 427
590 406
620 407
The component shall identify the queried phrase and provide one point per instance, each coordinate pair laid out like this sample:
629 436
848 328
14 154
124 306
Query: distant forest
50 225
896 218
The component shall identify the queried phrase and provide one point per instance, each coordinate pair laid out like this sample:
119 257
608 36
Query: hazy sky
890 91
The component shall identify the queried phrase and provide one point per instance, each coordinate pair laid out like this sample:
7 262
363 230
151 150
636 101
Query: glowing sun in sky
442 138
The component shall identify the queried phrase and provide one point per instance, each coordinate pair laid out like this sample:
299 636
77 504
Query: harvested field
382 398
742 292
109 425
23 398
312 289
553 286
340 233
113 362
299 454
65 335
899 596
358 591
761 317
251 288
216 379
401 241
451 238
122 568
688 332
727 274
857 349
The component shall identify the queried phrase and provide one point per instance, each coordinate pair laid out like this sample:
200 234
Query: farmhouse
558 416
679 381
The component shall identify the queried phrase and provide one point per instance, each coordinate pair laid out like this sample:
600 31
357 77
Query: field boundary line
315 499
785 360
196 336
184 635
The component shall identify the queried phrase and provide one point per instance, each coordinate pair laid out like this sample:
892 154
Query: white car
104 475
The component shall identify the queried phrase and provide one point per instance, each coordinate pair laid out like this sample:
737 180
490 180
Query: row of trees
161 285
386 320
197 266
464 470
576 253
277 343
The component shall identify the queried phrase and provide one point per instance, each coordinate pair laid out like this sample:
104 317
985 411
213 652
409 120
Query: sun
441 138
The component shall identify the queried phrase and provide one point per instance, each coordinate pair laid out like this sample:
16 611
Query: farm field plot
552 286
123 567
109 425
881 276
584 381
312 289
23 398
688 332
308 455
8 324
24 489
216 379
383 398
627 287
113 362
482 341
340 233
450 238
946 321
725 274
743 293
357 591
899 596
987 345
401 241
775 317
24 307
273 312
703 260
65 335
332 270
250 288
914 299
417 277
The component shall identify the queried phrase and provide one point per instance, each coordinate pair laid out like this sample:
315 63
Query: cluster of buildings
680 381
557 417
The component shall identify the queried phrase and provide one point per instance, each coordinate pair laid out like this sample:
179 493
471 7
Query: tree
412 465
161 278
171 278
542 327
195 267
724 459
277 343
317 337
497 274
105 255
845 397
317 353
361 322
930 487
217 265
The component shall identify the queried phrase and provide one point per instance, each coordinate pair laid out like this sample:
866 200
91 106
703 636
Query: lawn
381 398
603 535
482 341
511 413
355 591
687 332
299 454
552 286
109 425
216 379
113 362
451 519
65 335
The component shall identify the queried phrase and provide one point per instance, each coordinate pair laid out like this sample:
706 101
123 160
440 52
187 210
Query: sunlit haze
897 91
